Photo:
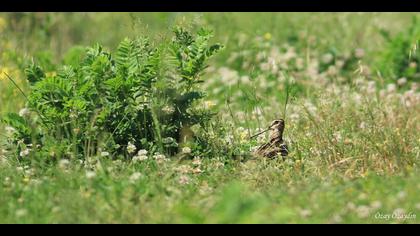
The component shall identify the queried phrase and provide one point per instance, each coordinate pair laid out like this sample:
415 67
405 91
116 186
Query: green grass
353 137
238 193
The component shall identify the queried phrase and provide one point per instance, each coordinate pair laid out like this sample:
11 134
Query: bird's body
276 144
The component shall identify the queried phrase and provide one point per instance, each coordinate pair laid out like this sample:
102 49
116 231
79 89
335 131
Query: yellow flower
4 71
3 24
26 180
209 104
51 74
243 135
267 36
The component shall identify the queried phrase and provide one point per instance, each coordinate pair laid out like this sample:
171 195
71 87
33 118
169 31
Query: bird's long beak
257 134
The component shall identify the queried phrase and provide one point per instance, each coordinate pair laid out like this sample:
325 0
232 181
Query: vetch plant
137 98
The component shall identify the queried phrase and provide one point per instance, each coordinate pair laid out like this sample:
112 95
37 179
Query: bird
276 144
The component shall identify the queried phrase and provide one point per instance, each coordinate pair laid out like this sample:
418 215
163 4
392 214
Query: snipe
276 144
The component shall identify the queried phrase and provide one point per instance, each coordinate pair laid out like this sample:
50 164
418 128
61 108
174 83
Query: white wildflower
257 112
24 112
245 79
168 109
300 63
332 70
117 163
142 152
139 158
265 66
184 169
135 176
104 154
401 195
359 81
3 159
376 205
218 164
363 196
402 81
197 170
228 76
25 152
131 148
351 206
382 93
337 136
254 149
339 63
9 130
90 174
196 161
160 157
371 87
363 211
64 163
184 180
359 53
294 116
209 104
327 58
391 88
55 209
337 218
186 150
305 213
311 108
414 86
21 212
168 140
289 162
357 98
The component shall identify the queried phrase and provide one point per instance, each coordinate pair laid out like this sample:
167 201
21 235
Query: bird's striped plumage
276 144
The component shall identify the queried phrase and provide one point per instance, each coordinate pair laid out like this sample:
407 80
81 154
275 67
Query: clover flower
186 150
64 163
184 180
402 81
139 158
196 161
90 174
142 152
160 157
104 154
25 152
131 148
168 109
9 130
24 112
135 176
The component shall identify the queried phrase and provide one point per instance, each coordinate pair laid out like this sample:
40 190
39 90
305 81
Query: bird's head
275 125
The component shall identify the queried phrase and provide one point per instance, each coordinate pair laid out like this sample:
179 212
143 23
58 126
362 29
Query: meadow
148 117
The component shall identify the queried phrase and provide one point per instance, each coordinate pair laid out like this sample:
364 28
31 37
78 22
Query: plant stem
17 86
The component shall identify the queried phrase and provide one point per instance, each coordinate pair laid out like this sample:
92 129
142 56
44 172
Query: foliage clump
400 57
144 94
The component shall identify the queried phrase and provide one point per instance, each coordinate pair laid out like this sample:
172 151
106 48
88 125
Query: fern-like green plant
400 57
142 94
